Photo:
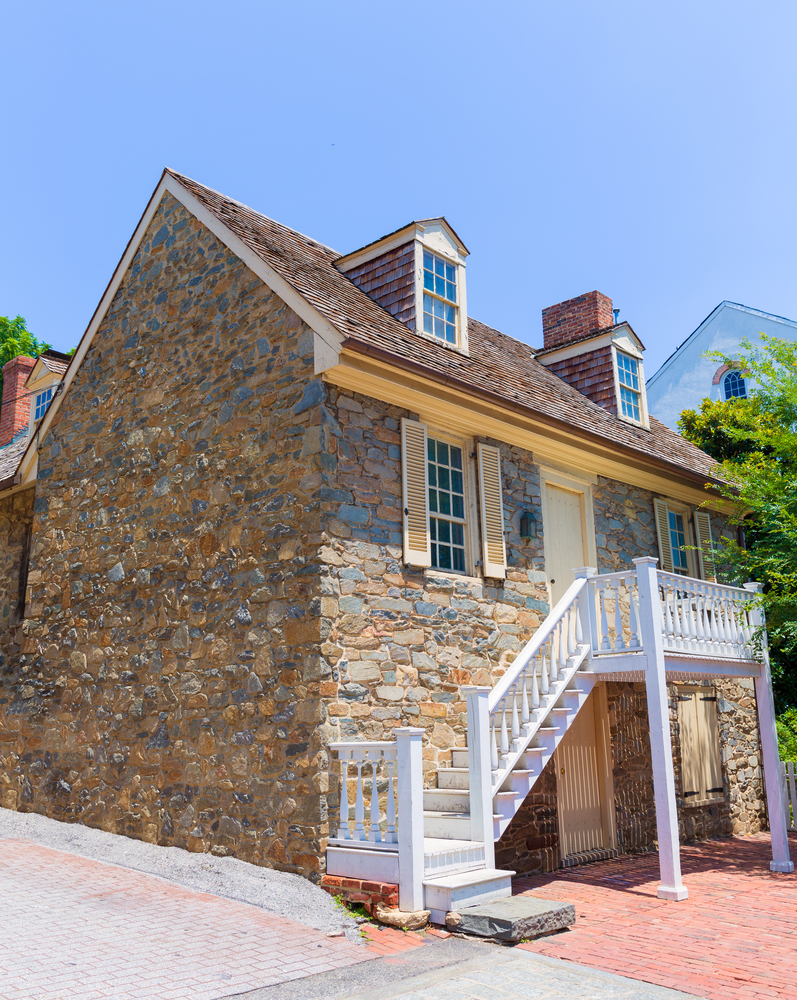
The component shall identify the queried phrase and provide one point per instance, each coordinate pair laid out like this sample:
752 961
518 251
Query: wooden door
564 538
578 785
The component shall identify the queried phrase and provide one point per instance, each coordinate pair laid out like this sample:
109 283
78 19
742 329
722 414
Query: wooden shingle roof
496 363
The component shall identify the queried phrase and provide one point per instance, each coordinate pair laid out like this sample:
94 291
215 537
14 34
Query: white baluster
605 644
579 627
493 745
359 808
668 629
374 833
344 833
746 626
700 605
525 715
552 671
544 671
619 641
571 641
633 641
721 628
515 716
535 689
712 602
562 664
391 834
504 737
676 621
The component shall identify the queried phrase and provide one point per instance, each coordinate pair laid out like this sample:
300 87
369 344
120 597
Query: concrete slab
517 918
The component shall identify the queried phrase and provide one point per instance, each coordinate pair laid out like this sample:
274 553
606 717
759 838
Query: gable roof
725 304
303 272
497 364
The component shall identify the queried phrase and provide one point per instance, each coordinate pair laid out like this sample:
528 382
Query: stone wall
403 640
16 518
625 527
530 844
169 686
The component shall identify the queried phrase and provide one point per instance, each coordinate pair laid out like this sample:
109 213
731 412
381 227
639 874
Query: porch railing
698 617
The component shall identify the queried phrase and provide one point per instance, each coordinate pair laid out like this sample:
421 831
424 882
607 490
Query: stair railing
402 764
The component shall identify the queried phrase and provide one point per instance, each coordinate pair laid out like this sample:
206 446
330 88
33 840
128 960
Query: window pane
430 449
457 506
442 452
456 457
443 531
433 501
450 272
439 266
440 285
451 292
427 260
456 481
457 534
445 502
428 281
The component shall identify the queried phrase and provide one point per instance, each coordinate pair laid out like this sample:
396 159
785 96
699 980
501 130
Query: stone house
286 499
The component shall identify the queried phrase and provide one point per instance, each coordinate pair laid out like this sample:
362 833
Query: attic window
630 393
733 386
42 399
439 298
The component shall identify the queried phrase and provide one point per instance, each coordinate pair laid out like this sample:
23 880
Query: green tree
16 339
755 439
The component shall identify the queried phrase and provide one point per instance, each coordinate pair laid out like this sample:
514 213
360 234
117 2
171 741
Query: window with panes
678 542
42 399
733 386
446 505
630 393
439 298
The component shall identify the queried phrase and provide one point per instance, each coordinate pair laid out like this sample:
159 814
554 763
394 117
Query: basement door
563 532
578 785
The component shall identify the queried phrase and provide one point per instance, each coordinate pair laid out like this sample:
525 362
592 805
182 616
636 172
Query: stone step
513 918
465 889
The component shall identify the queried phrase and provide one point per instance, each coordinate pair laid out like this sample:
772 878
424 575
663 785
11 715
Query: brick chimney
573 319
15 407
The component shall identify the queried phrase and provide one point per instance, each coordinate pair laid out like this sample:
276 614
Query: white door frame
580 483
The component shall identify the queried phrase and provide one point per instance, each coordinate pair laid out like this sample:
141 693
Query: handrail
533 646
674 578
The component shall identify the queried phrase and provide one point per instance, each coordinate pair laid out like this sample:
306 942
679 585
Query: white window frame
690 539
436 244
36 390
435 434
625 348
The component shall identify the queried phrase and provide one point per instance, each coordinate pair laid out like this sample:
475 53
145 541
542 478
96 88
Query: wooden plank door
578 785
563 532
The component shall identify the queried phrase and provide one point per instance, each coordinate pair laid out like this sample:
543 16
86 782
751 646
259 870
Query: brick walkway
735 938
75 929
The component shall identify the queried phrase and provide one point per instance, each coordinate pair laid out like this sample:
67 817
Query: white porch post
781 862
480 771
409 754
589 620
650 626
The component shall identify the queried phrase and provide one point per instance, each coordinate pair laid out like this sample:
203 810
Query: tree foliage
16 339
755 439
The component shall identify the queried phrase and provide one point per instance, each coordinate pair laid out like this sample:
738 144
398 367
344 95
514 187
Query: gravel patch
280 893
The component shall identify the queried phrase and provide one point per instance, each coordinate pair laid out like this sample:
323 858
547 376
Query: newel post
650 628
409 760
480 772
589 618
765 701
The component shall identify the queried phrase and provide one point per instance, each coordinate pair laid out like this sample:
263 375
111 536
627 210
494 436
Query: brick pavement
78 929
735 938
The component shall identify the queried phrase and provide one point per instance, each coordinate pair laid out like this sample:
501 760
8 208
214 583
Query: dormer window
42 399
439 297
630 394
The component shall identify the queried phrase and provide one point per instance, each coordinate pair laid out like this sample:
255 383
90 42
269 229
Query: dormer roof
413 230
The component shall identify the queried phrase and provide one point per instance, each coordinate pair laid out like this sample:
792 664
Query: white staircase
517 726
438 844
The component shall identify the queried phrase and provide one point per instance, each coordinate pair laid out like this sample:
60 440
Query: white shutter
705 545
663 531
691 765
492 511
415 494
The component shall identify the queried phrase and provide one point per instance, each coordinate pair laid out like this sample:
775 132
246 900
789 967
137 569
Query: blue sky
644 149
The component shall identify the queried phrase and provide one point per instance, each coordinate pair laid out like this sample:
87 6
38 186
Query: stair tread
441 814
456 880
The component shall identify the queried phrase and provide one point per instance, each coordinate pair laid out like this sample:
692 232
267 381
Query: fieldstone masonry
216 590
